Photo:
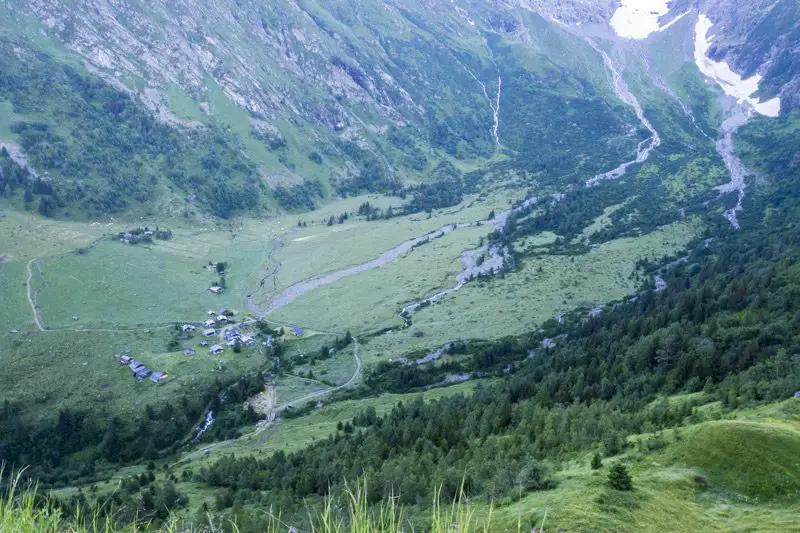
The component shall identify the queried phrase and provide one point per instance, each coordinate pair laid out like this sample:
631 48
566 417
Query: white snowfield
636 19
720 72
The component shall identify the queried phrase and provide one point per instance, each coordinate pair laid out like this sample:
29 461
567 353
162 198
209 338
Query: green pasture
47 371
372 299
337 370
320 248
25 236
166 282
598 224
184 106
7 116
539 289
15 313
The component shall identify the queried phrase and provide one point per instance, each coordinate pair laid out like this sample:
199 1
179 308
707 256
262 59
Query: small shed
209 332
216 349
142 373
188 351
216 289
125 360
135 365
222 318
297 331
209 323
158 376
203 343
247 340
187 327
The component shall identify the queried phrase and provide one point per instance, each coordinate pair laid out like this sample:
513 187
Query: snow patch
731 82
636 19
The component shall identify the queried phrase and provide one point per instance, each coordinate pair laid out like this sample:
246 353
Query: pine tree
597 461
619 478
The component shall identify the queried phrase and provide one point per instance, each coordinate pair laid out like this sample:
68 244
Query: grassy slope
724 452
701 478
371 300
519 301
162 283
52 370
137 288
713 476
319 248
295 434
15 312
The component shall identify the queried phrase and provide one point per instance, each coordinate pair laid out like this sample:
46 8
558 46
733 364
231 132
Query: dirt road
266 424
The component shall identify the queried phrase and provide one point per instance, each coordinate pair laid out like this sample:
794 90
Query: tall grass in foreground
23 511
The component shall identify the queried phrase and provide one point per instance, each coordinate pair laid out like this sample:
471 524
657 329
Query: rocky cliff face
756 37
297 60
286 59
269 58
569 11
324 72
368 94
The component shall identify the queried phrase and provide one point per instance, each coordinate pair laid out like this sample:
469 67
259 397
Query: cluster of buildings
218 325
230 335
141 371
217 320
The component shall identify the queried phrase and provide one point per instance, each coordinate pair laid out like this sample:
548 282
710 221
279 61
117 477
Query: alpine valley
384 265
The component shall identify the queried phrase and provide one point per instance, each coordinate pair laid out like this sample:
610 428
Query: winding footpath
268 422
36 317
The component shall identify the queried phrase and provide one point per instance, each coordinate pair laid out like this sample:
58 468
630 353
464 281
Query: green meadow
48 371
319 248
541 288
162 283
371 300
15 313
127 296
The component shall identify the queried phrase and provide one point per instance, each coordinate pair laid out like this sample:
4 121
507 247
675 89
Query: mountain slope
361 96
761 37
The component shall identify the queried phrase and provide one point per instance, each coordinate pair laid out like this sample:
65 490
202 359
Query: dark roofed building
125 360
158 376
188 351
297 331
142 373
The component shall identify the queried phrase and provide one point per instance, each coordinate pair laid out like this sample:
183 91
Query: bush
597 461
619 478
